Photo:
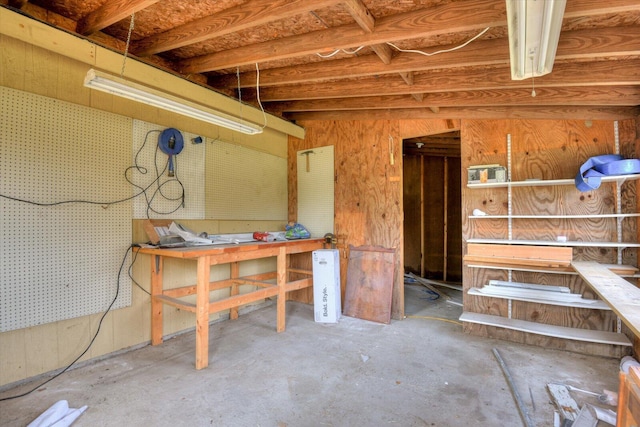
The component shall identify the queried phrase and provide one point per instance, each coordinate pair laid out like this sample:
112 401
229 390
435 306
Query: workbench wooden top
292 246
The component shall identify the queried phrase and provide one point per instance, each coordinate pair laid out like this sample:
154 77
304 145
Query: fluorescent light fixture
534 30
135 92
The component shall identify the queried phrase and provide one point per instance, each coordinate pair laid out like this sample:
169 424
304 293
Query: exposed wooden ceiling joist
574 45
601 73
596 73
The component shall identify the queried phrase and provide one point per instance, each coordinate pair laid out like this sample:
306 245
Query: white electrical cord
264 115
337 51
353 52
439 51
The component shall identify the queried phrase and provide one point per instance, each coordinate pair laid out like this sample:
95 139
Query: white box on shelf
326 285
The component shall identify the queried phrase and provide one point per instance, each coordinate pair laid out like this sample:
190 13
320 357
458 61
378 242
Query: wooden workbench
232 254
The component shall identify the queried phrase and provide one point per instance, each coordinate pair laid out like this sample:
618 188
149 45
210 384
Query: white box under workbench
326 285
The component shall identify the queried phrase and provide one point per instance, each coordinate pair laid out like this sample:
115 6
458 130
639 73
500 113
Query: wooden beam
247 15
360 14
455 17
110 13
17 4
384 52
521 112
407 77
470 15
596 73
581 44
579 96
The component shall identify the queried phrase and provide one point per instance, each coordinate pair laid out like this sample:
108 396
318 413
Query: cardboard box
326 285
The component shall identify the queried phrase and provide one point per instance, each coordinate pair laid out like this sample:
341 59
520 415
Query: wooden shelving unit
536 265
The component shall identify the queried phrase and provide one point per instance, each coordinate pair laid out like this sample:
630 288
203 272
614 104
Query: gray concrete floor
421 371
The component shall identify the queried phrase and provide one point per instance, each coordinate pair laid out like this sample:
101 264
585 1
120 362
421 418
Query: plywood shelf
556 243
622 271
543 298
549 182
601 337
568 216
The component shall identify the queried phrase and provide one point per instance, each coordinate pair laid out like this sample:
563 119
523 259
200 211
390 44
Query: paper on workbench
189 236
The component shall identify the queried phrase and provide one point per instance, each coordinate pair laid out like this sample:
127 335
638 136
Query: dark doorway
432 207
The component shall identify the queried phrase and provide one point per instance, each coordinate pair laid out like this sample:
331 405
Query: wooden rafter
600 73
580 44
247 15
110 13
600 95
455 17
464 16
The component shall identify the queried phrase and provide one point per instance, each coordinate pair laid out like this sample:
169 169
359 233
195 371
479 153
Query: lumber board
564 402
601 337
175 302
534 262
620 295
560 254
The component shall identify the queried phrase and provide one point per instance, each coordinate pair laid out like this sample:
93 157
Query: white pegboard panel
246 184
315 190
61 262
164 193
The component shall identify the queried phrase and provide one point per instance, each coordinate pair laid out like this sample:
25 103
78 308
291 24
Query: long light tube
135 92
534 30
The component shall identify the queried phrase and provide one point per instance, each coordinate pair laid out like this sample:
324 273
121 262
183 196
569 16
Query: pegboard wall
315 190
61 261
163 193
245 184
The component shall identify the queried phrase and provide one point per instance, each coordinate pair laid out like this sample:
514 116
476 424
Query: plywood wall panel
368 186
454 221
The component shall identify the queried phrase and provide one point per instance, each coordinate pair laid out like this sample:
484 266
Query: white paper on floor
58 415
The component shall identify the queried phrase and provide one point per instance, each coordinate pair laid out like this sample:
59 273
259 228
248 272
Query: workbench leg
281 280
156 305
235 273
202 313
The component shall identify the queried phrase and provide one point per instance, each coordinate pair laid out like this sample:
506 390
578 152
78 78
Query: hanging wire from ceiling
264 115
126 48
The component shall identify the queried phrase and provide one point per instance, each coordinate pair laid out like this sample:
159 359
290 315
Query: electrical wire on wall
158 183
171 166
65 369
150 192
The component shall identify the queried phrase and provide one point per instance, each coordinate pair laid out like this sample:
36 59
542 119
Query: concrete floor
422 371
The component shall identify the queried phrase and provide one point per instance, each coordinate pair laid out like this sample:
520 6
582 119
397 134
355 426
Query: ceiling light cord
264 115
126 48
337 51
440 51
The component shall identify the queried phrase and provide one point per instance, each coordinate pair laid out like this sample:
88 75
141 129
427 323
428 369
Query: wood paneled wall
368 187
545 149
29 352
